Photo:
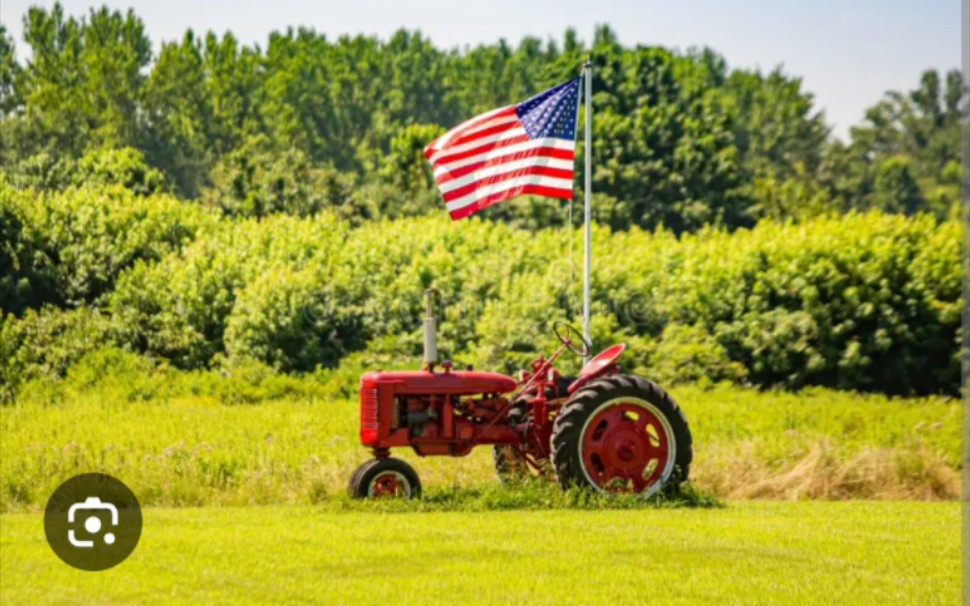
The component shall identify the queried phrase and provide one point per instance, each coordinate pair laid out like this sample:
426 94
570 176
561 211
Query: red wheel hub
389 484
626 448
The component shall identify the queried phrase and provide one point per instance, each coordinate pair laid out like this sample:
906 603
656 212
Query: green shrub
689 354
357 284
41 170
47 343
68 248
178 308
863 301
125 167
249 382
120 376
256 180
294 321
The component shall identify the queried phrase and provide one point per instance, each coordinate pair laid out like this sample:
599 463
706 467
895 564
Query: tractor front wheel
621 434
385 478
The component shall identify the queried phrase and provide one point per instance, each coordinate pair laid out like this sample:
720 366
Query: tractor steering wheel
569 336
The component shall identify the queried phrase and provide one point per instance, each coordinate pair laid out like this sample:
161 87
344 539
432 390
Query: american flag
527 148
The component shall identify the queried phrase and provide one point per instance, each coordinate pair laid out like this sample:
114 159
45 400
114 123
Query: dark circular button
93 521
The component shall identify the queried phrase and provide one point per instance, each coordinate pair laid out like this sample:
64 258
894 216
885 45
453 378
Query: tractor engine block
421 413
434 412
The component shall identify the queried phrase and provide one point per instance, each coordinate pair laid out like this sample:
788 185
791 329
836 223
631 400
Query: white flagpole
588 191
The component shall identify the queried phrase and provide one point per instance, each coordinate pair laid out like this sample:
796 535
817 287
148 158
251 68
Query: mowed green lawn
746 553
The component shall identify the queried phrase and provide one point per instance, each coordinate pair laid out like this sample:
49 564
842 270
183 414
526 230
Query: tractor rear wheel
621 434
385 478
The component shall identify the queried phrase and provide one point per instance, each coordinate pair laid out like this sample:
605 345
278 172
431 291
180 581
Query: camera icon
93 523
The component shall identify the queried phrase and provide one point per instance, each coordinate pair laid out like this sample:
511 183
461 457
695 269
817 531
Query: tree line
310 123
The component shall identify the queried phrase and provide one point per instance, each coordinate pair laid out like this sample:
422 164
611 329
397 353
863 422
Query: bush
178 308
42 170
372 280
120 376
863 301
859 302
47 343
256 180
689 354
294 321
125 167
68 248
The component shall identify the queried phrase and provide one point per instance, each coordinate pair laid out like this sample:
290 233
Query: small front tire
385 478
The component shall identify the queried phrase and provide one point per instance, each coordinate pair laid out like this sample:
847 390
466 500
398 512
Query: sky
847 52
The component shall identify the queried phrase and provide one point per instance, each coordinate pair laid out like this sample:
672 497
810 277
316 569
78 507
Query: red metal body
418 409
620 436
603 364
447 412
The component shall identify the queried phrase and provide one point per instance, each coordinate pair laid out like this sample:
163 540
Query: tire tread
565 439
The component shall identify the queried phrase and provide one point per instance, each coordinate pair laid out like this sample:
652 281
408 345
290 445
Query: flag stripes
520 149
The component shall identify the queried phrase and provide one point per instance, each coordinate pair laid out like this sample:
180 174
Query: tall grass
198 438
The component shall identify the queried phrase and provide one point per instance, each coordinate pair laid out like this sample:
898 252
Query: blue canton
551 113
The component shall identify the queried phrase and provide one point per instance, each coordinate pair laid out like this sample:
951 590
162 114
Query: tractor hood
460 382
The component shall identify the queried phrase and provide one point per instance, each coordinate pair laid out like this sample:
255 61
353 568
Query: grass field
270 459
184 449
746 553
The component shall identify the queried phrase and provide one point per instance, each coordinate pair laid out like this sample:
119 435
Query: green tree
82 85
895 188
9 74
663 153
52 84
406 167
234 86
908 142
680 139
776 124
179 117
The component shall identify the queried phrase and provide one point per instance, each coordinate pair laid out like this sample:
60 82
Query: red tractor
603 429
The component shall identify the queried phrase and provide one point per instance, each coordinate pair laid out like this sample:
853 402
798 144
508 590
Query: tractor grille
369 423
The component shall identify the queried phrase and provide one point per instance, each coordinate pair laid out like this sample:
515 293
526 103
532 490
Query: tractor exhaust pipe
430 331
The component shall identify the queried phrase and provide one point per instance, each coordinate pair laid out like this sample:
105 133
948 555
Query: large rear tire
621 434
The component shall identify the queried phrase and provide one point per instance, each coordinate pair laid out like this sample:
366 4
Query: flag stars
552 113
